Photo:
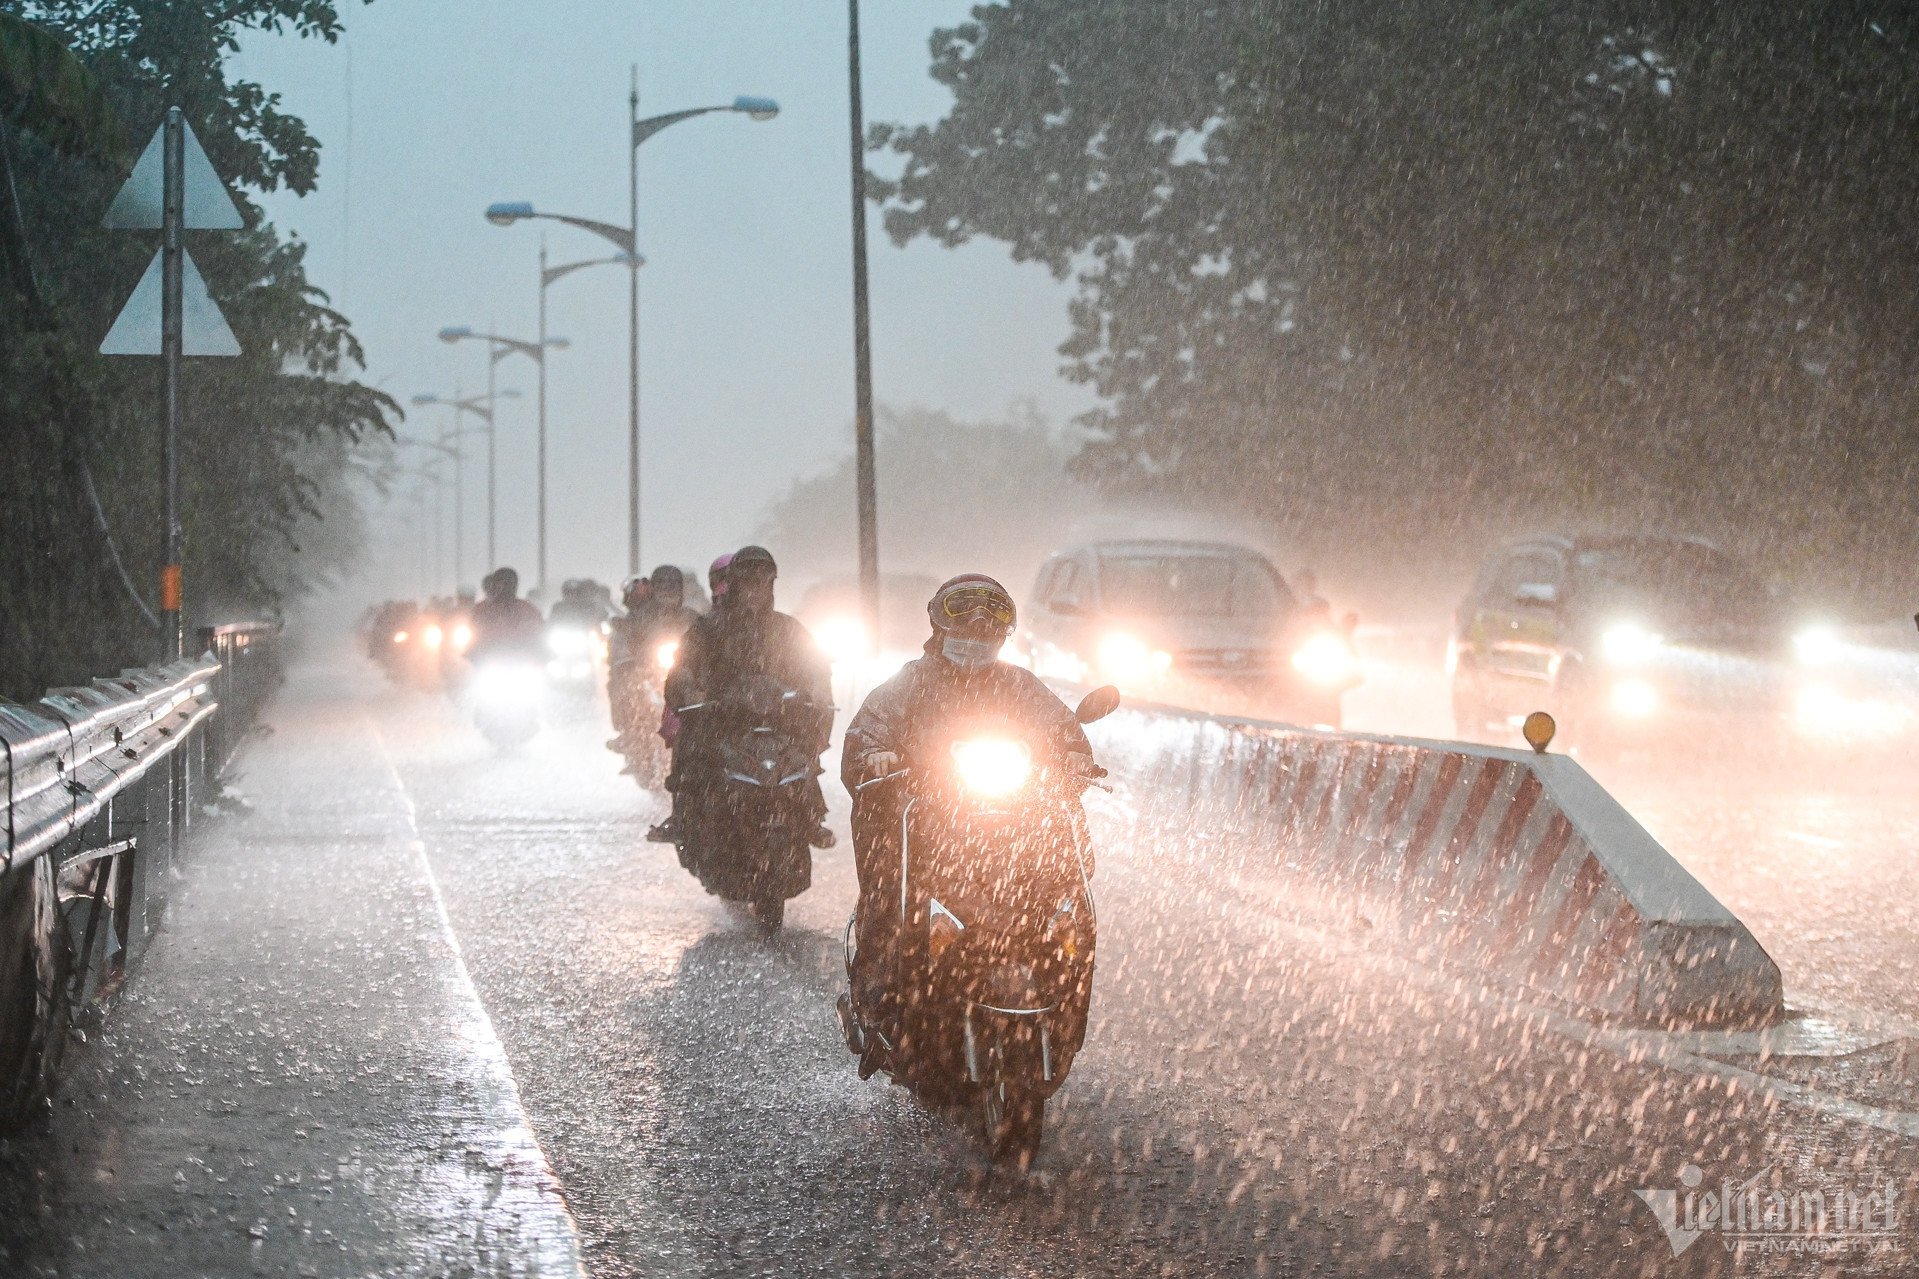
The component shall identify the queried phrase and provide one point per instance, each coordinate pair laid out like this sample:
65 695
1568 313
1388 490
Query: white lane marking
512 1146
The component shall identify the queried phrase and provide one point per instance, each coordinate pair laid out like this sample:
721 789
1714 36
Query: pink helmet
716 575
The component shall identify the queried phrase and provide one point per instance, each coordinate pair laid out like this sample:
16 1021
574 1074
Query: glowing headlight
1326 659
667 654
1629 643
508 684
433 636
567 642
399 637
1127 659
1634 699
842 639
1816 645
462 637
992 766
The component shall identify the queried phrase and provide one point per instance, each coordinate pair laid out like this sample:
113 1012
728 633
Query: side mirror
1097 705
1538 594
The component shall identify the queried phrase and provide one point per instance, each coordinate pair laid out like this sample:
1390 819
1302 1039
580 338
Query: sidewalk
301 1079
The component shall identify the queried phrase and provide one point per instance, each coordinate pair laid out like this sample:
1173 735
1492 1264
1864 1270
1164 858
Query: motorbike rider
504 625
743 636
576 606
960 675
656 614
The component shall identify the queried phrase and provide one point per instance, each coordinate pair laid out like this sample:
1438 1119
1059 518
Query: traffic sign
209 207
203 330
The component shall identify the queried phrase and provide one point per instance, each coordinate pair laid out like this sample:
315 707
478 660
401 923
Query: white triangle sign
142 198
204 330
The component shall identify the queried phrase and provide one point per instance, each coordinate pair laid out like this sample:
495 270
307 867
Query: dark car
1626 641
1205 624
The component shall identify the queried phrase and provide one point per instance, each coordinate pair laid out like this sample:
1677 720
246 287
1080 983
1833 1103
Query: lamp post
481 407
498 348
429 471
549 275
865 466
626 239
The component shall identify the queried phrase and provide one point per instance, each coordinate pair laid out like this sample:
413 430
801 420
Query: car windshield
1191 586
1681 581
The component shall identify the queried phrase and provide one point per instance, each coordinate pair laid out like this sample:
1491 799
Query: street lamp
480 406
498 348
626 239
865 466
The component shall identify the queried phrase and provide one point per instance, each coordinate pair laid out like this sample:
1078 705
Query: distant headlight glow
842 639
1326 659
1127 659
667 654
1817 645
993 767
462 637
566 641
399 637
1629 643
433 636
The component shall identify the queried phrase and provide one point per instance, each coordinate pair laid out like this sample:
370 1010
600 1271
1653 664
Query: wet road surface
1258 1095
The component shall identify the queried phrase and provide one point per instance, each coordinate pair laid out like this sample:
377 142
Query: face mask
969 654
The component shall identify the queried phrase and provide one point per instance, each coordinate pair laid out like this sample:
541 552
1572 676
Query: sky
429 110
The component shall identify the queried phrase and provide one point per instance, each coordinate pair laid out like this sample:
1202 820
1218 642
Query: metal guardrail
100 785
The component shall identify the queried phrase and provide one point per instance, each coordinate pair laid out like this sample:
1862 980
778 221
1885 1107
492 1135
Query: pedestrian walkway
301 1079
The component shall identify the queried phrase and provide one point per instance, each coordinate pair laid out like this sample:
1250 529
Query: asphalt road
1256 1097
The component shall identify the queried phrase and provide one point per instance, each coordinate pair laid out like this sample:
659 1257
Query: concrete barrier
1518 866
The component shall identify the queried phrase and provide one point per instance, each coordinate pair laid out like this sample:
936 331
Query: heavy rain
1037 638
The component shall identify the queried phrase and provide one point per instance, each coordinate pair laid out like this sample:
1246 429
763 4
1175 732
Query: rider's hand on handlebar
878 764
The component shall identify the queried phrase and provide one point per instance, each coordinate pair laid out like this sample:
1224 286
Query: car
1634 641
1204 624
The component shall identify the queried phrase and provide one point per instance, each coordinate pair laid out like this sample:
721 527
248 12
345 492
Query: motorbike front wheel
769 913
1014 1119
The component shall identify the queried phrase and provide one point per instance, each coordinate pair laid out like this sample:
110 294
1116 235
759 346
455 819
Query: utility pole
633 329
172 344
865 464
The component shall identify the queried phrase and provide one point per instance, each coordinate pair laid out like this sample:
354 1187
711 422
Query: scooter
745 832
993 964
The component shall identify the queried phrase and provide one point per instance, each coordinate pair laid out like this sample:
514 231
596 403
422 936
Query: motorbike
642 682
747 815
573 649
993 963
507 694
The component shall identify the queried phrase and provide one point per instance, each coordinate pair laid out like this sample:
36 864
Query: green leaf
49 92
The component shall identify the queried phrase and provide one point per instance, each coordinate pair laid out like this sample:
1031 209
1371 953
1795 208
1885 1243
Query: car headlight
462 637
993 767
1127 659
1634 699
1326 659
842 639
667 654
1817 645
1629 643
433 636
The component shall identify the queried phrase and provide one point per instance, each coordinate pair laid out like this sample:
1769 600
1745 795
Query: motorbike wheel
1014 1119
769 914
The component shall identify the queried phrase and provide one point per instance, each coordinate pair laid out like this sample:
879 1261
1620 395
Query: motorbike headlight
842 639
399 637
1634 699
667 654
1128 659
1326 659
568 642
508 684
1629 643
462 637
1816 645
992 766
433 636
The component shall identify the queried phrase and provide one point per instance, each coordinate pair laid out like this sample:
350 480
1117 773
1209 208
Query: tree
268 437
1477 264
995 494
